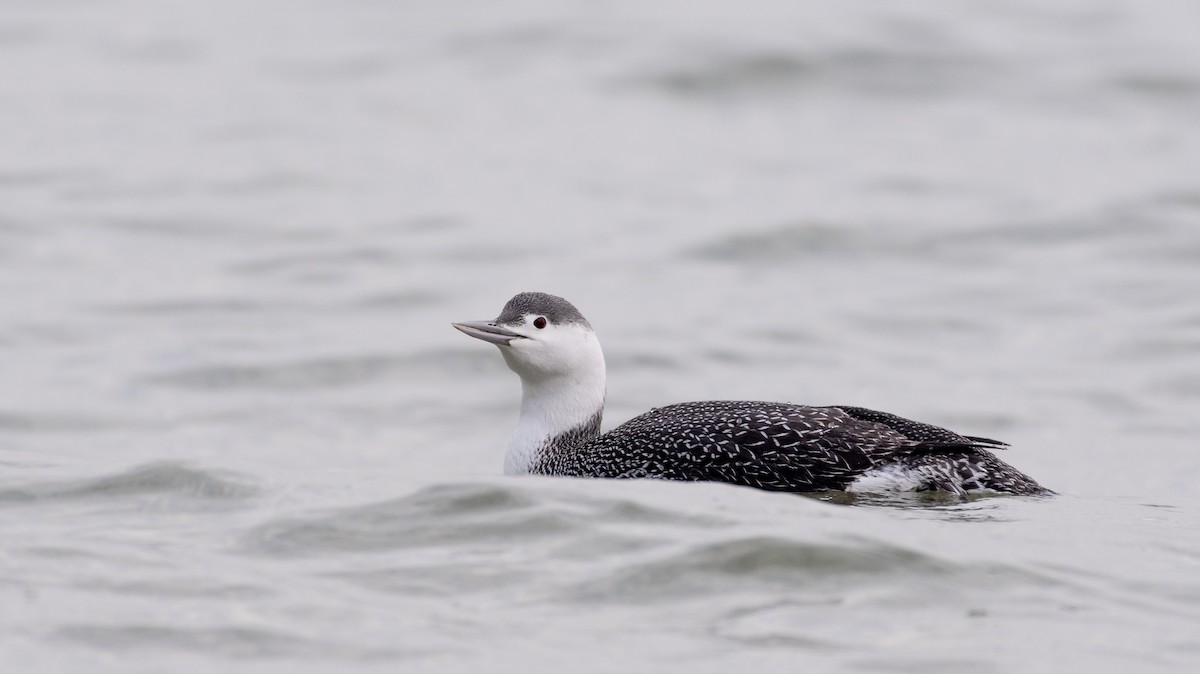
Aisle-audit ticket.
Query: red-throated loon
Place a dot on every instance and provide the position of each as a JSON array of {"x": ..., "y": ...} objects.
[{"x": 774, "y": 446}]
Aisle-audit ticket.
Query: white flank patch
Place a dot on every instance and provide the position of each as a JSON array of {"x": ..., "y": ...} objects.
[{"x": 888, "y": 479}]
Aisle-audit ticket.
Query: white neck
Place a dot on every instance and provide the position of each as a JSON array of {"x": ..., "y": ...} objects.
[{"x": 551, "y": 406}]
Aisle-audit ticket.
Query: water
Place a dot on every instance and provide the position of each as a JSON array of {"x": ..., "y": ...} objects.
[{"x": 238, "y": 433}]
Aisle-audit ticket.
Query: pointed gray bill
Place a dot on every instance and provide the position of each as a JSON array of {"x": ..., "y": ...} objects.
[{"x": 487, "y": 331}]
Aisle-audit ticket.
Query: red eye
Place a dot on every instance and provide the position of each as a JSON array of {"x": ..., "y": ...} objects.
[{"x": 539, "y": 322}]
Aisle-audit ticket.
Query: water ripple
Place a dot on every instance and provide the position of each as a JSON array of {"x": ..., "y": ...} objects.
[
  {"x": 229, "y": 642},
  {"x": 161, "y": 478},
  {"x": 870, "y": 71},
  {"x": 740, "y": 564},
  {"x": 318, "y": 373},
  {"x": 306, "y": 374},
  {"x": 442, "y": 515},
  {"x": 26, "y": 422}
]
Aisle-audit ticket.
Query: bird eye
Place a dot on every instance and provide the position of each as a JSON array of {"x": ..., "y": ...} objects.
[{"x": 539, "y": 322}]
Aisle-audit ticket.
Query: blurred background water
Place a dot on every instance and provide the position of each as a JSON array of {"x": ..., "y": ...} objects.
[{"x": 237, "y": 431}]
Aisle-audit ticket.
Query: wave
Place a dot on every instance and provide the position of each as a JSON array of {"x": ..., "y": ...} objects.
[
  {"x": 595, "y": 540},
  {"x": 447, "y": 514},
  {"x": 165, "y": 478},
  {"x": 239, "y": 643}
]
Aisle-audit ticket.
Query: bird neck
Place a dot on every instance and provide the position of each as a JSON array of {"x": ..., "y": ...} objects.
[{"x": 557, "y": 414}]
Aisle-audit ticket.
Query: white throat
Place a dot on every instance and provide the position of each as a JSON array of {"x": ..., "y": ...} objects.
[{"x": 554, "y": 404}]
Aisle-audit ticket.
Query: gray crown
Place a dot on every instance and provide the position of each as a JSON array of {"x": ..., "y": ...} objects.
[{"x": 554, "y": 308}]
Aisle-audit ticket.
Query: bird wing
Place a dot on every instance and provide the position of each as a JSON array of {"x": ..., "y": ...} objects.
[
  {"x": 765, "y": 445},
  {"x": 925, "y": 437}
]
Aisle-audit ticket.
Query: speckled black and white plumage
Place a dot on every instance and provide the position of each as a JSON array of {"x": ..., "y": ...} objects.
[
  {"x": 773, "y": 446},
  {"x": 781, "y": 447}
]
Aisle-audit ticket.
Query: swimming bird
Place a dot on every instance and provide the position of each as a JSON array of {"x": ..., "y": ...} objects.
[{"x": 768, "y": 445}]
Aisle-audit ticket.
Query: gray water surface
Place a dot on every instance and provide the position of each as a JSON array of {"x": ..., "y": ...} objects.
[{"x": 237, "y": 432}]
